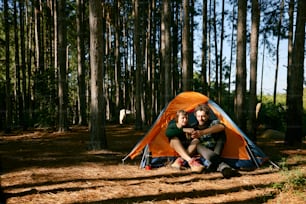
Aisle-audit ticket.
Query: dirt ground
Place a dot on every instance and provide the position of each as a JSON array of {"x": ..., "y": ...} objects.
[{"x": 47, "y": 167}]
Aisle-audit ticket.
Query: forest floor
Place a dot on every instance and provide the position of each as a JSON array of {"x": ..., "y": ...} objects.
[{"x": 42, "y": 166}]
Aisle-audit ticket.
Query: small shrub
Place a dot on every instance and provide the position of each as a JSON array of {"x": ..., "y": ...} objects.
[
  {"x": 272, "y": 116},
  {"x": 295, "y": 180}
]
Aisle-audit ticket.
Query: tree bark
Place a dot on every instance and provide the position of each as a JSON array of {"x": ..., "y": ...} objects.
[
  {"x": 62, "y": 57},
  {"x": 137, "y": 35},
  {"x": 231, "y": 57},
  {"x": 220, "y": 90},
  {"x": 24, "y": 104},
  {"x": 204, "y": 49},
  {"x": 209, "y": 53},
  {"x": 97, "y": 102},
  {"x": 241, "y": 65},
  {"x": 8, "y": 108},
  {"x": 294, "y": 132},
  {"x": 80, "y": 22},
  {"x": 253, "y": 69},
  {"x": 166, "y": 50},
  {"x": 175, "y": 35},
  {"x": 117, "y": 59},
  {"x": 277, "y": 49},
  {"x": 17, "y": 86},
  {"x": 216, "y": 52},
  {"x": 186, "y": 69}
]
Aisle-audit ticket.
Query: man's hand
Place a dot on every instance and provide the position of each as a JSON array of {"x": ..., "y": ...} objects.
[{"x": 195, "y": 134}]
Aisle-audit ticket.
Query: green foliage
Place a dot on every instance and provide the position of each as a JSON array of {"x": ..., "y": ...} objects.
[
  {"x": 272, "y": 116},
  {"x": 294, "y": 180},
  {"x": 281, "y": 102}
]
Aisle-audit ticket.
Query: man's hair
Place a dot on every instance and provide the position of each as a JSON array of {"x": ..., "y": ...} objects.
[
  {"x": 202, "y": 107},
  {"x": 180, "y": 112}
]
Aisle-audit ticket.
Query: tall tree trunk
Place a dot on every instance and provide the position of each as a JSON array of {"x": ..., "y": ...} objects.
[
  {"x": 55, "y": 48},
  {"x": 209, "y": 52},
  {"x": 17, "y": 86},
  {"x": 149, "y": 64},
  {"x": 166, "y": 49},
  {"x": 262, "y": 66},
  {"x": 8, "y": 108},
  {"x": 40, "y": 84},
  {"x": 137, "y": 34},
  {"x": 290, "y": 43},
  {"x": 220, "y": 90},
  {"x": 216, "y": 52},
  {"x": 191, "y": 27},
  {"x": 241, "y": 65},
  {"x": 81, "y": 63},
  {"x": 294, "y": 133},
  {"x": 231, "y": 57},
  {"x": 186, "y": 70},
  {"x": 108, "y": 69},
  {"x": 175, "y": 35},
  {"x": 97, "y": 102},
  {"x": 204, "y": 49},
  {"x": 49, "y": 32},
  {"x": 253, "y": 69},
  {"x": 125, "y": 62},
  {"x": 277, "y": 49},
  {"x": 143, "y": 30},
  {"x": 30, "y": 54},
  {"x": 62, "y": 57},
  {"x": 154, "y": 81},
  {"x": 24, "y": 104},
  {"x": 117, "y": 58}
]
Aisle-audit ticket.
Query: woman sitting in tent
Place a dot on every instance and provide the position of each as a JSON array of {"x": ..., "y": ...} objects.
[
  {"x": 185, "y": 146},
  {"x": 212, "y": 139}
]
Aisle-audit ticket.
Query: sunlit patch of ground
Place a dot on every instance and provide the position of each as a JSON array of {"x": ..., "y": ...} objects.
[{"x": 46, "y": 167}]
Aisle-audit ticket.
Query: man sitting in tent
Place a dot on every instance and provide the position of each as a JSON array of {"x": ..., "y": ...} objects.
[
  {"x": 212, "y": 139},
  {"x": 176, "y": 132}
]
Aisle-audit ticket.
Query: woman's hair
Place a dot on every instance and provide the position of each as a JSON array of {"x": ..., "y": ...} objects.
[
  {"x": 202, "y": 107},
  {"x": 180, "y": 112}
]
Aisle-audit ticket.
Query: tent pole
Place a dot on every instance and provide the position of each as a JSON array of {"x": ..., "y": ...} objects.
[
  {"x": 143, "y": 159},
  {"x": 123, "y": 160},
  {"x": 252, "y": 156},
  {"x": 273, "y": 164}
]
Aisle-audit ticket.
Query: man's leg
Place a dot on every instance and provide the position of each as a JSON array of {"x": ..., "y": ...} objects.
[
  {"x": 221, "y": 139},
  {"x": 223, "y": 167},
  {"x": 212, "y": 159}
]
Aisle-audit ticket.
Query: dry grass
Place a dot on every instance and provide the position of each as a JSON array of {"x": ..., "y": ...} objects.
[{"x": 49, "y": 167}]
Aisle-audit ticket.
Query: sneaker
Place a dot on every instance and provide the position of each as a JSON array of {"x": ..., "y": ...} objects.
[
  {"x": 195, "y": 166},
  {"x": 228, "y": 172},
  {"x": 178, "y": 163}
]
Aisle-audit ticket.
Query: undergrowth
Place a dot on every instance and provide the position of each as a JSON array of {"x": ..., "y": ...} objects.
[{"x": 294, "y": 180}]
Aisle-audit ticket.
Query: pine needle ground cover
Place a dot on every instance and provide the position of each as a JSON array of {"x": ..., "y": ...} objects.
[{"x": 42, "y": 166}]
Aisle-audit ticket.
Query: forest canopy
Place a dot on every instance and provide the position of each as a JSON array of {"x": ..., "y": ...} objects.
[{"x": 80, "y": 62}]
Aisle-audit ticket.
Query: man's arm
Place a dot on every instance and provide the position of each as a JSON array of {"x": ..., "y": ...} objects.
[{"x": 213, "y": 129}]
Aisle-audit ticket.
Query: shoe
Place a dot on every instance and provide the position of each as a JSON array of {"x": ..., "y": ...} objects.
[
  {"x": 178, "y": 163},
  {"x": 228, "y": 172},
  {"x": 195, "y": 166}
]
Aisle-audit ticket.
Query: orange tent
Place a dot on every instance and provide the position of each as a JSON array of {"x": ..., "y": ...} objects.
[{"x": 238, "y": 150}]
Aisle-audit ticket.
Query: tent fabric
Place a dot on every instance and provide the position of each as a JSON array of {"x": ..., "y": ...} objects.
[{"x": 239, "y": 150}]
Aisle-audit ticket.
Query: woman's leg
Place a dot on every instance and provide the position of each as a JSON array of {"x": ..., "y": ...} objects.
[
  {"x": 193, "y": 146},
  {"x": 176, "y": 144}
]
